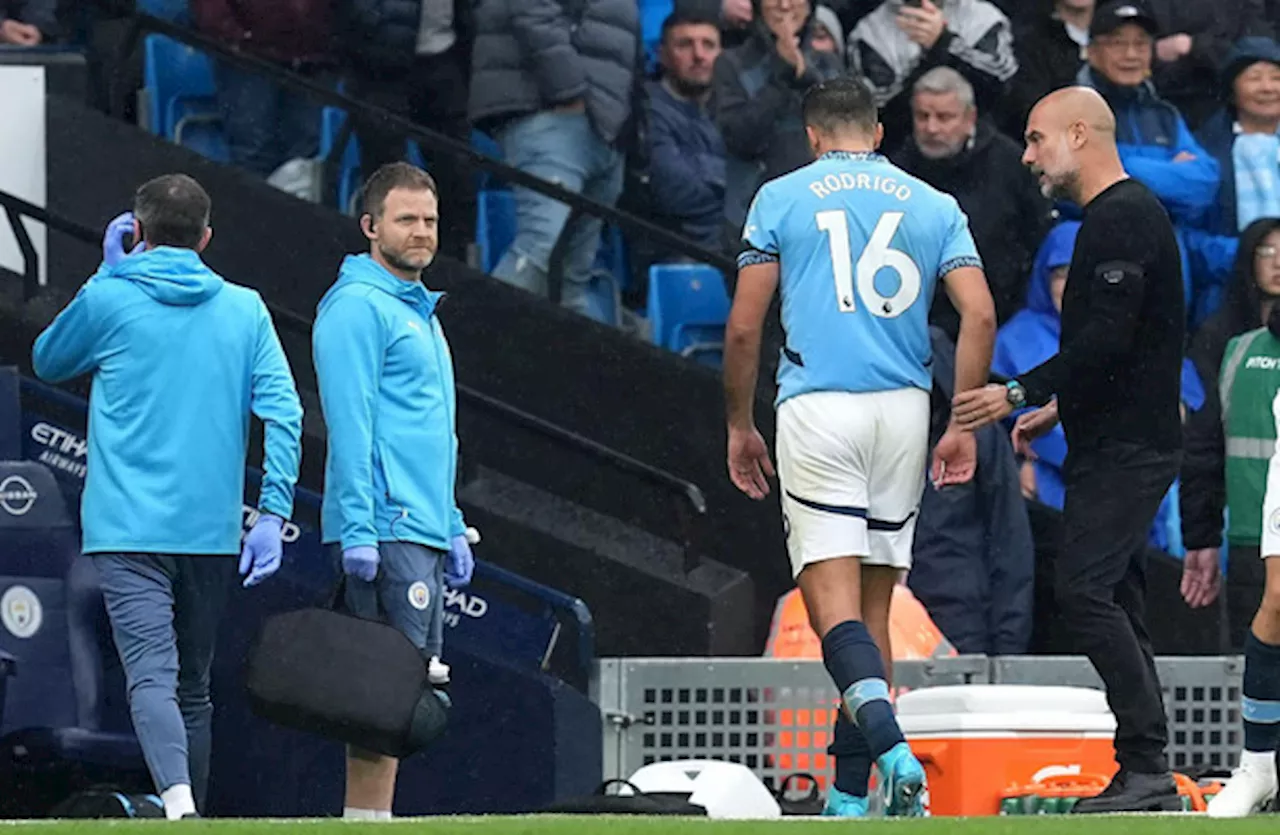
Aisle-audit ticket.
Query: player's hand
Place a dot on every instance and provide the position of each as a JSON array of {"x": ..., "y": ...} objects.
[
  {"x": 1031, "y": 426},
  {"x": 113, "y": 239},
  {"x": 749, "y": 465},
  {"x": 923, "y": 24},
  {"x": 975, "y": 408},
  {"x": 263, "y": 549},
  {"x": 955, "y": 458},
  {"x": 460, "y": 563},
  {"x": 1201, "y": 578},
  {"x": 361, "y": 562}
]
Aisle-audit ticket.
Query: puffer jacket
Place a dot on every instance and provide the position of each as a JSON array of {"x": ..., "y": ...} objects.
[
  {"x": 383, "y": 34},
  {"x": 531, "y": 55}
]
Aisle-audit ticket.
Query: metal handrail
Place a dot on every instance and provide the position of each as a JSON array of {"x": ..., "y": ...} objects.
[{"x": 434, "y": 139}]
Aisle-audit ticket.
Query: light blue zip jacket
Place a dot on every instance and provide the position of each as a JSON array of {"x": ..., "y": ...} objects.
[
  {"x": 179, "y": 358},
  {"x": 387, "y": 390}
]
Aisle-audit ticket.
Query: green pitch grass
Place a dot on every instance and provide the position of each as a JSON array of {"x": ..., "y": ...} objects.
[{"x": 1175, "y": 824}]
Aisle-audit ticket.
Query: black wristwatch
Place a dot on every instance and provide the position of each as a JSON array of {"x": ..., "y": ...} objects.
[{"x": 1015, "y": 394}]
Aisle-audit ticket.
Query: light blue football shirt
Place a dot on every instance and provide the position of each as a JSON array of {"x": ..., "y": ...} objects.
[{"x": 861, "y": 245}]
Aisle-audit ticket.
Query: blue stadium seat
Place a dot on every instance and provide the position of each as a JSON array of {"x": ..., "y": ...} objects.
[
  {"x": 495, "y": 225},
  {"x": 487, "y": 145},
  {"x": 51, "y": 608},
  {"x": 496, "y": 228},
  {"x": 350, "y": 172},
  {"x": 612, "y": 256},
  {"x": 38, "y": 545},
  {"x": 174, "y": 11},
  {"x": 652, "y": 13},
  {"x": 331, "y": 121},
  {"x": 688, "y": 307},
  {"x": 179, "y": 86},
  {"x": 206, "y": 138}
]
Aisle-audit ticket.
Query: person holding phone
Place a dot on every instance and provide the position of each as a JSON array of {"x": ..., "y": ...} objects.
[
  {"x": 179, "y": 360},
  {"x": 903, "y": 39}
]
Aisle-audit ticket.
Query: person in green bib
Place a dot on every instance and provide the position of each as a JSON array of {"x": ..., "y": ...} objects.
[
  {"x": 1221, "y": 466},
  {"x": 1247, "y": 480}
]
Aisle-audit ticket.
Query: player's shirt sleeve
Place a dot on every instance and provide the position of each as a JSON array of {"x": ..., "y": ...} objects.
[
  {"x": 1271, "y": 502},
  {"x": 958, "y": 248},
  {"x": 759, "y": 233}
]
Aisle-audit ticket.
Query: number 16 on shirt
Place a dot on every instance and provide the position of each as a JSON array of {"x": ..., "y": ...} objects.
[{"x": 876, "y": 255}]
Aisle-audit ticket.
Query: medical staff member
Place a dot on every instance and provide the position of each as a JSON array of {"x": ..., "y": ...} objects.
[
  {"x": 180, "y": 359},
  {"x": 387, "y": 391}
]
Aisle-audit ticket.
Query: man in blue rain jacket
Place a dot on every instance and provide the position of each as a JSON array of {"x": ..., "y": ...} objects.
[
  {"x": 179, "y": 360},
  {"x": 387, "y": 391}
]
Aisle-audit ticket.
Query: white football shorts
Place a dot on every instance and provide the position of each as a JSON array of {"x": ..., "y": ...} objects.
[{"x": 851, "y": 467}]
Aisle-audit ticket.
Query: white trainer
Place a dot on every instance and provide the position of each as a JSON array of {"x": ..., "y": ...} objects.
[{"x": 1251, "y": 788}]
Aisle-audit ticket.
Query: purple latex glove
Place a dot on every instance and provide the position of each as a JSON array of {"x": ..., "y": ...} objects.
[
  {"x": 263, "y": 549},
  {"x": 113, "y": 241},
  {"x": 361, "y": 562},
  {"x": 459, "y": 563}
]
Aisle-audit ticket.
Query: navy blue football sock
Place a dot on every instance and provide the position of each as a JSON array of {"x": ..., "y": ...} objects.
[
  {"x": 1260, "y": 707},
  {"x": 855, "y": 665},
  {"x": 852, "y": 755}
]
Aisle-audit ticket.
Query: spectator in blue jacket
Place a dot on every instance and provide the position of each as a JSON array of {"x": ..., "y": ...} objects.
[
  {"x": 179, "y": 360},
  {"x": 1031, "y": 337},
  {"x": 1155, "y": 145},
  {"x": 387, "y": 390},
  {"x": 686, "y": 152},
  {"x": 1244, "y": 136}
]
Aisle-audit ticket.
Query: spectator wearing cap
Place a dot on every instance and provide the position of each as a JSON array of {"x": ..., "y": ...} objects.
[
  {"x": 1051, "y": 48},
  {"x": 27, "y": 22},
  {"x": 955, "y": 151},
  {"x": 1243, "y": 135},
  {"x": 1155, "y": 144},
  {"x": 897, "y": 44},
  {"x": 1194, "y": 39}
]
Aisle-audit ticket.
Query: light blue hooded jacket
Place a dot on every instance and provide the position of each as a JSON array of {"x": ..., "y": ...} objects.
[
  {"x": 179, "y": 358},
  {"x": 387, "y": 390}
]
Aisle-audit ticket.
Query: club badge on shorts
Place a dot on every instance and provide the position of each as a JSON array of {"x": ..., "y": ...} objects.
[
  {"x": 1274, "y": 521},
  {"x": 419, "y": 596}
]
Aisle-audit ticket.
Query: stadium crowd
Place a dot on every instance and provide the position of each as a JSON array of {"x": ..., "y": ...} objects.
[{"x": 682, "y": 125}]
